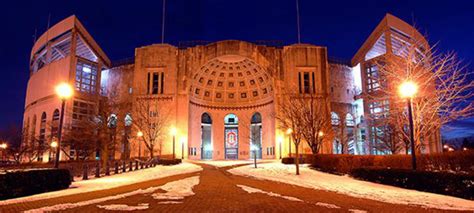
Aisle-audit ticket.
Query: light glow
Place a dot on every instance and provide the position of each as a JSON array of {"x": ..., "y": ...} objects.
[
  {"x": 173, "y": 131},
  {"x": 289, "y": 131},
  {"x": 54, "y": 144},
  {"x": 64, "y": 91},
  {"x": 408, "y": 89},
  {"x": 3, "y": 145},
  {"x": 139, "y": 134},
  {"x": 320, "y": 133}
]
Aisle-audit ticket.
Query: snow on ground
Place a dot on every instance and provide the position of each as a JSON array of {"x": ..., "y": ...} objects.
[
  {"x": 254, "y": 190},
  {"x": 112, "y": 182},
  {"x": 123, "y": 207},
  {"x": 310, "y": 178},
  {"x": 177, "y": 190},
  {"x": 225, "y": 163}
]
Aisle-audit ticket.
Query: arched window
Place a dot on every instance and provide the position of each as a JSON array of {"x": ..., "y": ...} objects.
[
  {"x": 56, "y": 115},
  {"x": 206, "y": 119},
  {"x": 206, "y": 138},
  {"x": 335, "y": 119},
  {"x": 256, "y": 136},
  {"x": 231, "y": 135},
  {"x": 55, "y": 124},
  {"x": 349, "y": 120},
  {"x": 231, "y": 119},
  {"x": 42, "y": 136}
]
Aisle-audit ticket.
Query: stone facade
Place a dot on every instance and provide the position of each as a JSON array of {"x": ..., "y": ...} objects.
[{"x": 221, "y": 98}]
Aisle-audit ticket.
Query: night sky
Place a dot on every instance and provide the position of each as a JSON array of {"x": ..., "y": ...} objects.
[{"x": 119, "y": 27}]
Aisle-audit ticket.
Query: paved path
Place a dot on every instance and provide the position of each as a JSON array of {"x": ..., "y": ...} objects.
[{"x": 217, "y": 191}]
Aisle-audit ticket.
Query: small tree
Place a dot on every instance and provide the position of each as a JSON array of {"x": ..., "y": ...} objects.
[
  {"x": 307, "y": 115},
  {"x": 151, "y": 119}
]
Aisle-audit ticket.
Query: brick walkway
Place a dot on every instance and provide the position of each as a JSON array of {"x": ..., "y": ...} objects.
[{"x": 217, "y": 192}]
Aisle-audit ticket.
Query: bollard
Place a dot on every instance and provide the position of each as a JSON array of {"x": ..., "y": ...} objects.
[
  {"x": 97, "y": 170},
  {"x": 136, "y": 165},
  {"x": 85, "y": 174},
  {"x": 131, "y": 166},
  {"x": 107, "y": 168},
  {"x": 116, "y": 168},
  {"x": 124, "y": 167},
  {"x": 71, "y": 170}
]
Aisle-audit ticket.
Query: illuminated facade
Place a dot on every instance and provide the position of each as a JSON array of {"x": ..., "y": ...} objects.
[{"x": 221, "y": 97}]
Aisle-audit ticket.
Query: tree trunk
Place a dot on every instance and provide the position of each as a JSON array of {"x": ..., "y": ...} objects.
[
  {"x": 151, "y": 151},
  {"x": 297, "y": 160}
]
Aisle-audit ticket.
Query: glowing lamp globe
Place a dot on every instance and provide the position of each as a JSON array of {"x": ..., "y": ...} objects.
[
  {"x": 3, "y": 145},
  {"x": 320, "y": 133},
  {"x": 54, "y": 144},
  {"x": 408, "y": 89},
  {"x": 64, "y": 91},
  {"x": 173, "y": 131},
  {"x": 139, "y": 134},
  {"x": 289, "y": 131}
]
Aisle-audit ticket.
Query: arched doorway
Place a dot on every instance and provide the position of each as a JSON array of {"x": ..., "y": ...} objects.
[
  {"x": 231, "y": 136},
  {"x": 256, "y": 136},
  {"x": 206, "y": 135}
]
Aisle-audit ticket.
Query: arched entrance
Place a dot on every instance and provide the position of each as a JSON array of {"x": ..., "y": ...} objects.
[
  {"x": 231, "y": 136},
  {"x": 256, "y": 136},
  {"x": 206, "y": 135}
]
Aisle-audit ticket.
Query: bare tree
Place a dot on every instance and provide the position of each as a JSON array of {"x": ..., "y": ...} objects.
[
  {"x": 445, "y": 89},
  {"x": 151, "y": 118},
  {"x": 307, "y": 115}
]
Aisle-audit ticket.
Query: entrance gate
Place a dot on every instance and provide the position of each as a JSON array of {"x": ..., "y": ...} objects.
[{"x": 231, "y": 136}]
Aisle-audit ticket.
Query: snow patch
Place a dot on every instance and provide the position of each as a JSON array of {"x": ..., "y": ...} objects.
[
  {"x": 254, "y": 190},
  {"x": 177, "y": 190},
  {"x": 123, "y": 207},
  {"x": 112, "y": 182},
  {"x": 313, "y": 179},
  {"x": 327, "y": 205},
  {"x": 65, "y": 206},
  {"x": 170, "y": 202},
  {"x": 357, "y": 211}
]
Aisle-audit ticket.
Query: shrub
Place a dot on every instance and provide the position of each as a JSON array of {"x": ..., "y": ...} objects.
[
  {"x": 17, "y": 183},
  {"x": 454, "y": 184},
  {"x": 288, "y": 160},
  {"x": 343, "y": 164},
  {"x": 168, "y": 162}
]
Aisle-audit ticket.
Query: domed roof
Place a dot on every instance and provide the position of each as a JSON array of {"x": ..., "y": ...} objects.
[{"x": 231, "y": 79}]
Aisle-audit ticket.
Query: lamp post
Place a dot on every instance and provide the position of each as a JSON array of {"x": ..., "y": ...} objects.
[
  {"x": 280, "y": 140},
  {"x": 173, "y": 133},
  {"x": 54, "y": 145},
  {"x": 288, "y": 132},
  {"x": 64, "y": 92},
  {"x": 182, "y": 148},
  {"x": 4, "y": 147},
  {"x": 408, "y": 90},
  {"x": 139, "y": 136}
]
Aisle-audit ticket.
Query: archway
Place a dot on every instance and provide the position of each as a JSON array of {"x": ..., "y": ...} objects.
[
  {"x": 206, "y": 135},
  {"x": 256, "y": 136},
  {"x": 231, "y": 136}
]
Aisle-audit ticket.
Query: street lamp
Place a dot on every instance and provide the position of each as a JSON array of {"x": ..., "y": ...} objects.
[
  {"x": 321, "y": 133},
  {"x": 139, "y": 136},
  {"x": 64, "y": 91},
  {"x": 408, "y": 90},
  {"x": 53, "y": 145},
  {"x": 173, "y": 132},
  {"x": 288, "y": 132},
  {"x": 4, "y": 147},
  {"x": 182, "y": 147},
  {"x": 280, "y": 141}
]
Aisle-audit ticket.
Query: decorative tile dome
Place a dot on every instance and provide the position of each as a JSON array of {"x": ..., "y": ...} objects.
[{"x": 231, "y": 79}]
